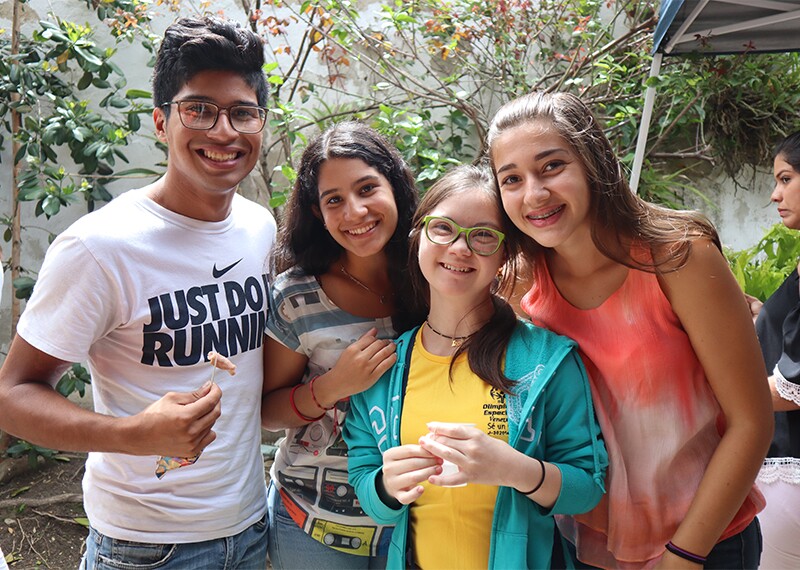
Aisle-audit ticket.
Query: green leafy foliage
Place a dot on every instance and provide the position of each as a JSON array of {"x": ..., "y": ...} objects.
[
  {"x": 762, "y": 268},
  {"x": 74, "y": 380},
  {"x": 56, "y": 119},
  {"x": 431, "y": 74},
  {"x": 33, "y": 452}
]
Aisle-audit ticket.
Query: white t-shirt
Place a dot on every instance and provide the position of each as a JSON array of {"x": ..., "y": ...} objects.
[{"x": 143, "y": 294}]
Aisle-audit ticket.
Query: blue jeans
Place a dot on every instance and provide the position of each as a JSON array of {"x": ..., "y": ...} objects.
[
  {"x": 740, "y": 552},
  {"x": 244, "y": 551},
  {"x": 290, "y": 547}
]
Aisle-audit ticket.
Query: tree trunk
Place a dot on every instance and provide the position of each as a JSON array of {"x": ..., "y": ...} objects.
[{"x": 15, "y": 216}]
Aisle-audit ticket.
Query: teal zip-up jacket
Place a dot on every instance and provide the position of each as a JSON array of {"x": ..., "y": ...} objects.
[{"x": 550, "y": 416}]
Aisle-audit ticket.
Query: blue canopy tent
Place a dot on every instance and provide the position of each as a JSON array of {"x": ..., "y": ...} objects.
[{"x": 716, "y": 27}]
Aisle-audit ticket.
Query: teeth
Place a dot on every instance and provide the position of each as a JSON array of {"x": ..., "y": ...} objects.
[
  {"x": 359, "y": 231},
  {"x": 547, "y": 215},
  {"x": 219, "y": 156},
  {"x": 459, "y": 269}
]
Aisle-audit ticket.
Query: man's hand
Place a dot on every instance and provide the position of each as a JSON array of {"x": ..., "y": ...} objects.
[{"x": 179, "y": 424}]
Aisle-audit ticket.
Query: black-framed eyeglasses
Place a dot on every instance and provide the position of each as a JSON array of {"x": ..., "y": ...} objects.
[
  {"x": 202, "y": 116},
  {"x": 480, "y": 239}
]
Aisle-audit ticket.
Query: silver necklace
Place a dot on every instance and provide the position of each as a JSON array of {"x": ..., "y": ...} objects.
[
  {"x": 381, "y": 298},
  {"x": 454, "y": 340}
]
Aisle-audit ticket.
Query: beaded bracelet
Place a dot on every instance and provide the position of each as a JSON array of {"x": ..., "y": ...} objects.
[
  {"x": 300, "y": 414},
  {"x": 541, "y": 481},
  {"x": 314, "y": 397},
  {"x": 685, "y": 554}
]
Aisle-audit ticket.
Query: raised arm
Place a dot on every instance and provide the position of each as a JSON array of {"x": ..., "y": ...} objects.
[
  {"x": 179, "y": 424},
  {"x": 287, "y": 403},
  {"x": 711, "y": 308}
]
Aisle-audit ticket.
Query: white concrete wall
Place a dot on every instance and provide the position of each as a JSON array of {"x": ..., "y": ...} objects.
[{"x": 743, "y": 213}]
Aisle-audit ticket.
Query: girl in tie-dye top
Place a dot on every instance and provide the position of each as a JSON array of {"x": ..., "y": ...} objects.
[{"x": 675, "y": 368}]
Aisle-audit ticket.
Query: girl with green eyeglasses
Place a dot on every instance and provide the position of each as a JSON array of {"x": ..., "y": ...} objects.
[{"x": 484, "y": 428}]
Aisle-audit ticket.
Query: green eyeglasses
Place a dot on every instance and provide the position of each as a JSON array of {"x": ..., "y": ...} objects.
[
  {"x": 202, "y": 116},
  {"x": 444, "y": 231}
]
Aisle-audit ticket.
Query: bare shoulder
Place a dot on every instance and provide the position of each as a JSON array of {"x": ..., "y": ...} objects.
[
  {"x": 703, "y": 292},
  {"x": 705, "y": 265}
]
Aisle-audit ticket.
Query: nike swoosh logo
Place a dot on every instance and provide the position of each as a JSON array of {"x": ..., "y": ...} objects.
[{"x": 217, "y": 273}]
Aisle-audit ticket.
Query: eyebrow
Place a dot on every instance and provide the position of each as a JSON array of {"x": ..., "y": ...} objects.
[
  {"x": 205, "y": 99},
  {"x": 781, "y": 172},
  {"x": 538, "y": 156},
  {"x": 355, "y": 183},
  {"x": 481, "y": 224}
]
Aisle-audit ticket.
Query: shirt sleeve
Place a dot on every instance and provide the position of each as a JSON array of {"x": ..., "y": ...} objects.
[
  {"x": 75, "y": 302},
  {"x": 789, "y": 361},
  {"x": 787, "y": 370},
  {"x": 281, "y": 318},
  {"x": 365, "y": 461},
  {"x": 573, "y": 441}
]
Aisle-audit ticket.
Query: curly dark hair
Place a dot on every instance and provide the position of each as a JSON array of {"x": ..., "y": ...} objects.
[
  {"x": 192, "y": 45},
  {"x": 306, "y": 245}
]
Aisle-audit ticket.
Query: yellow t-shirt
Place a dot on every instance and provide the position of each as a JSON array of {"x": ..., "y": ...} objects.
[{"x": 450, "y": 527}]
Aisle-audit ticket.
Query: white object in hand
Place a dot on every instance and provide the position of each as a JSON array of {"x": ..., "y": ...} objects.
[{"x": 448, "y": 467}]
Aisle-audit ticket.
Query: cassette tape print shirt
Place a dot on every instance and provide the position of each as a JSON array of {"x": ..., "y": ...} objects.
[{"x": 310, "y": 468}]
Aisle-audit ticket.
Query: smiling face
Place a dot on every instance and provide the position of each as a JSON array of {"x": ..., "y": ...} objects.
[
  {"x": 205, "y": 166},
  {"x": 357, "y": 205},
  {"x": 454, "y": 270},
  {"x": 787, "y": 193},
  {"x": 543, "y": 185}
]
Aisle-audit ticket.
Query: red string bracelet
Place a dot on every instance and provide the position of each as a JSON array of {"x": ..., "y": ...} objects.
[
  {"x": 300, "y": 414},
  {"x": 314, "y": 396}
]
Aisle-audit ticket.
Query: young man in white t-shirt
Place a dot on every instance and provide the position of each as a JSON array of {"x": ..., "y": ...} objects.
[{"x": 142, "y": 290}]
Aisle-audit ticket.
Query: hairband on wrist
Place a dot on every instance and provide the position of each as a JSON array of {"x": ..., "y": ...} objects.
[
  {"x": 685, "y": 554},
  {"x": 541, "y": 481}
]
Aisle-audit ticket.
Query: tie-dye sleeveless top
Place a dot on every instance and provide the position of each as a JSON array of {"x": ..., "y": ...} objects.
[{"x": 660, "y": 419}]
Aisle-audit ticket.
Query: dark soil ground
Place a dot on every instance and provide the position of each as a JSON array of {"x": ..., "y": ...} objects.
[
  {"x": 42, "y": 522},
  {"x": 45, "y": 535}
]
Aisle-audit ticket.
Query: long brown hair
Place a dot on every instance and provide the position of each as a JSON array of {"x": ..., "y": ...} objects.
[
  {"x": 486, "y": 347},
  {"x": 619, "y": 218}
]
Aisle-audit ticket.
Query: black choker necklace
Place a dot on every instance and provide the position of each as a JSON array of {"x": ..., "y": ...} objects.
[{"x": 454, "y": 340}]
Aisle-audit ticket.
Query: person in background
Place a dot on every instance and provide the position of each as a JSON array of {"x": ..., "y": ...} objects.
[
  {"x": 143, "y": 289},
  {"x": 778, "y": 328},
  {"x": 665, "y": 335},
  {"x": 530, "y": 446},
  {"x": 340, "y": 297}
]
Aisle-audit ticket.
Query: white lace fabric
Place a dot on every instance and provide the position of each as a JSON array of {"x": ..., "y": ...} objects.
[
  {"x": 786, "y": 389},
  {"x": 786, "y": 469}
]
